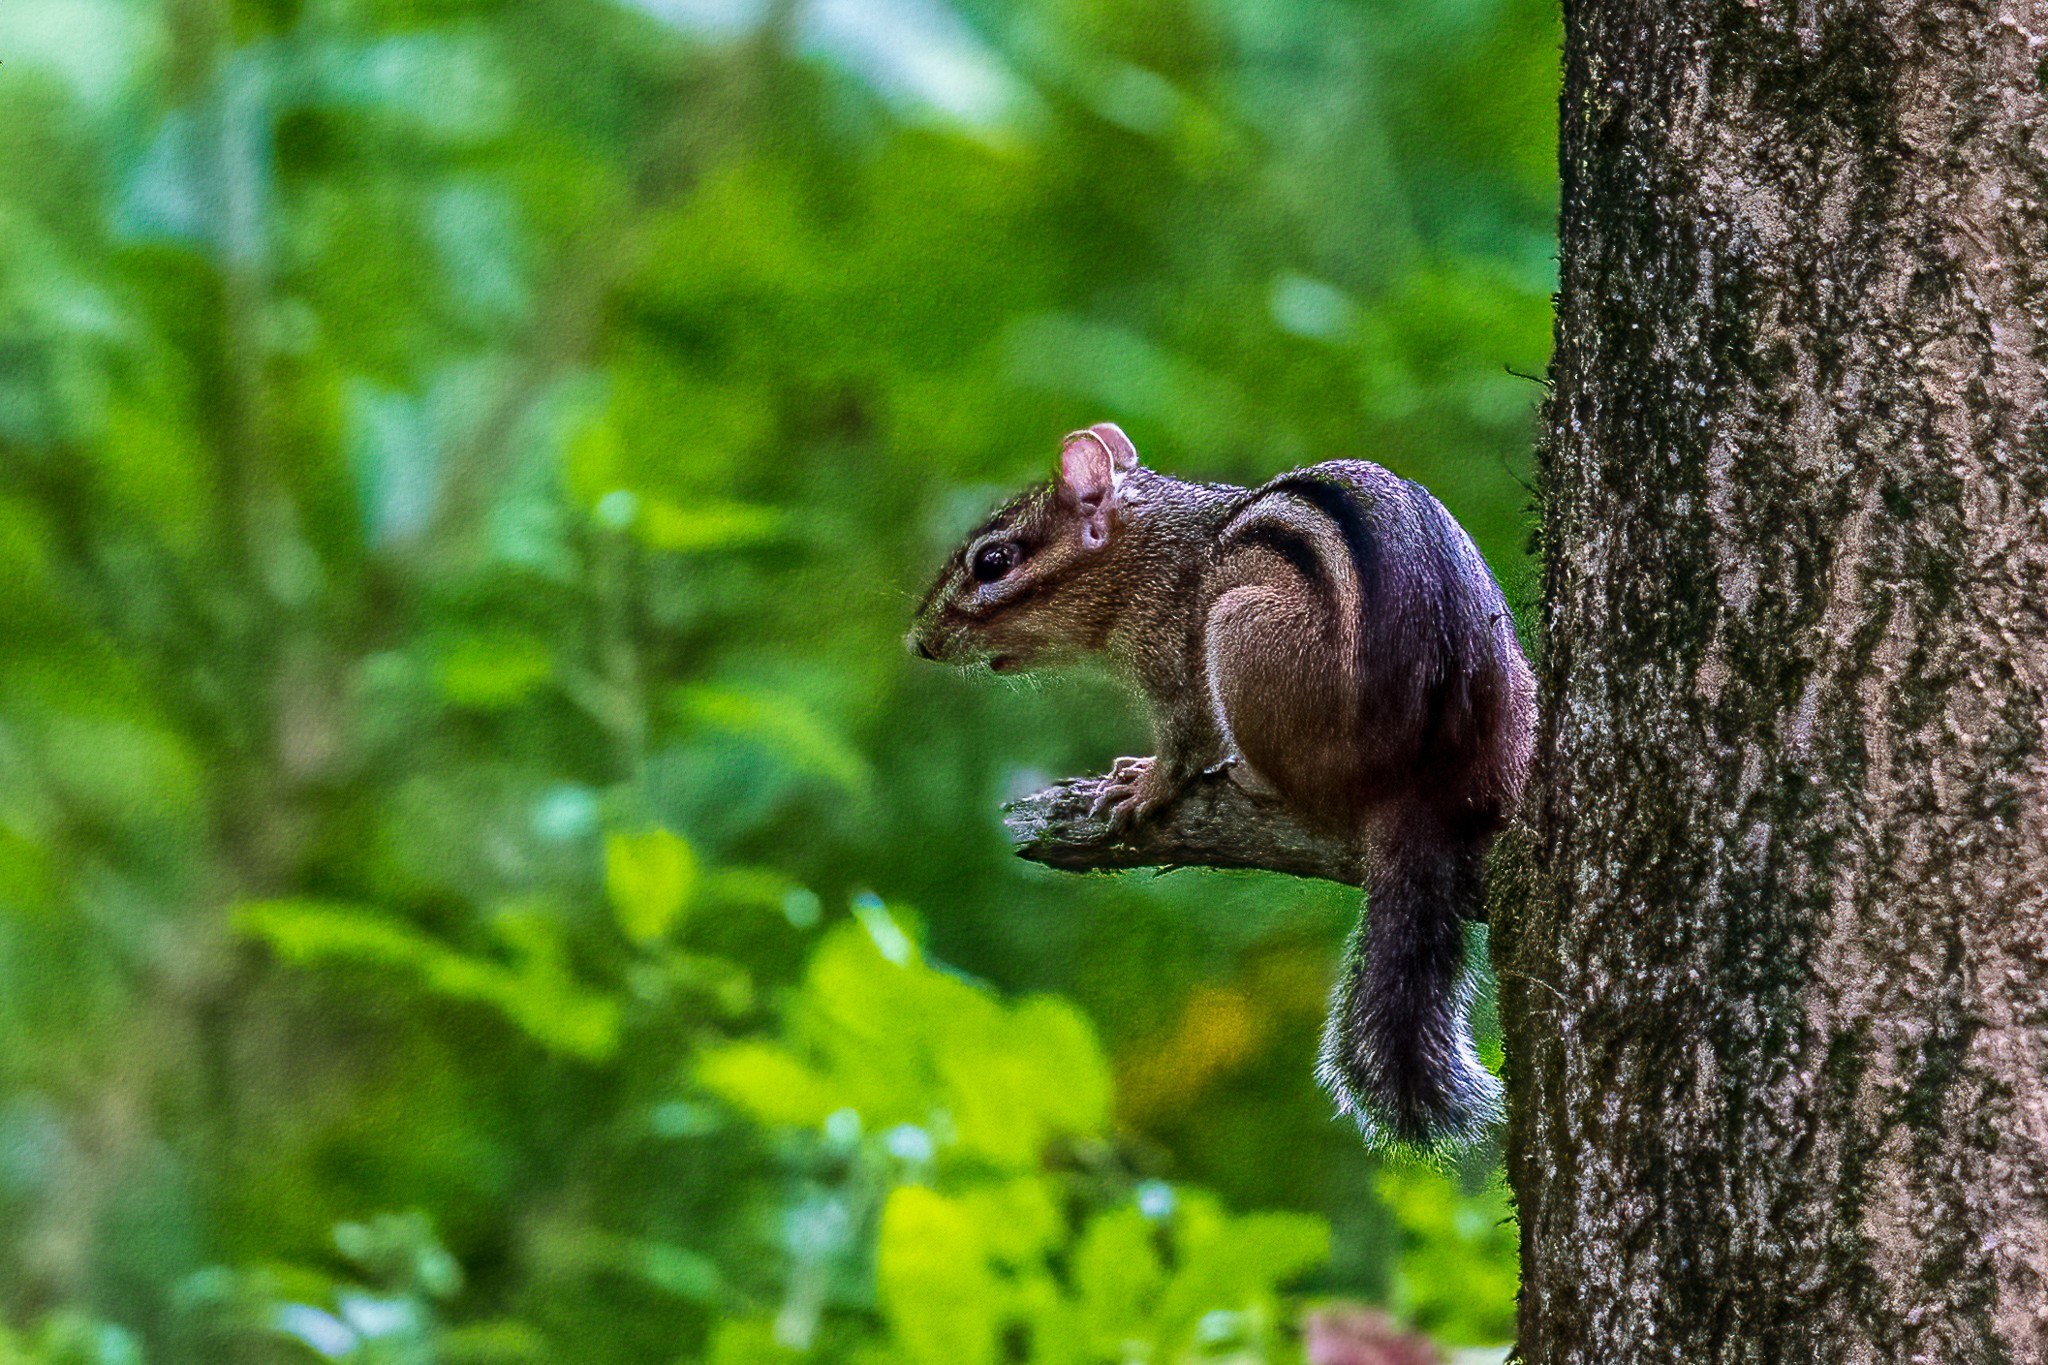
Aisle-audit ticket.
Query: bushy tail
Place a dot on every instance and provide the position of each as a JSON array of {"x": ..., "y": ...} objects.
[{"x": 1397, "y": 1050}]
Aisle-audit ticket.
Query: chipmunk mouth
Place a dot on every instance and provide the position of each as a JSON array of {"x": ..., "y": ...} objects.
[
  {"x": 937, "y": 648},
  {"x": 1003, "y": 663}
]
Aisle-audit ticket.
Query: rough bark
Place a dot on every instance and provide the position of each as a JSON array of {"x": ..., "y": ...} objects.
[
  {"x": 1778, "y": 1012},
  {"x": 1212, "y": 823},
  {"x": 1216, "y": 823}
]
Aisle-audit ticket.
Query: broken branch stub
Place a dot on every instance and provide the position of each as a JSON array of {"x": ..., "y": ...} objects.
[{"x": 1213, "y": 822}]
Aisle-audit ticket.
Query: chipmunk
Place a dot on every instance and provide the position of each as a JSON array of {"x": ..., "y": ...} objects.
[{"x": 1331, "y": 638}]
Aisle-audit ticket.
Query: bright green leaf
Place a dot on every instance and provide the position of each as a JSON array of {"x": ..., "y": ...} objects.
[
  {"x": 651, "y": 877},
  {"x": 538, "y": 995},
  {"x": 1457, "y": 1272},
  {"x": 933, "y": 1279},
  {"x": 700, "y": 526},
  {"x": 493, "y": 671},
  {"x": 785, "y": 725},
  {"x": 763, "y": 1080},
  {"x": 1118, "y": 1277}
]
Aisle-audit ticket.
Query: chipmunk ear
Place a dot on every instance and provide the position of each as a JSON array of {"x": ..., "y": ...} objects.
[
  {"x": 1090, "y": 462},
  {"x": 1122, "y": 454}
]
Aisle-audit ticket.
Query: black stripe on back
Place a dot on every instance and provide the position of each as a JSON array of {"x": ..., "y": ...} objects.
[
  {"x": 1290, "y": 544},
  {"x": 1462, "y": 630},
  {"x": 1340, "y": 505}
]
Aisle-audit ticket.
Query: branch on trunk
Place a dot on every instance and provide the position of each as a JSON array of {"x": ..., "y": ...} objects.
[{"x": 1214, "y": 822}]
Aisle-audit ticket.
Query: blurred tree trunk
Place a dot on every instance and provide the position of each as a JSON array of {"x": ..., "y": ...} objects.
[{"x": 1778, "y": 1010}]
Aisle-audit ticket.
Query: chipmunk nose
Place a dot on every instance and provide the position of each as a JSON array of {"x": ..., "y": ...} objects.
[{"x": 915, "y": 643}]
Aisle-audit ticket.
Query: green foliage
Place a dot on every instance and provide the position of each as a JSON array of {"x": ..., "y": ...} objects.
[
  {"x": 982, "y": 1252},
  {"x": 535, "y": 991},
  {"x": 651, "y": 878},
  {"x": 1456, "y": 1274},
  {"x": 972, "y": 1280},
  {"x": 465, "y": 469},
  {"x": 878, "y": 1034},
  {"x": 69, "y": 1339}
]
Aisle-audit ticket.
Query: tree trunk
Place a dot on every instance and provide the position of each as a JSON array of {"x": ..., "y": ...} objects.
[{"x": 1778, "y": 1012}]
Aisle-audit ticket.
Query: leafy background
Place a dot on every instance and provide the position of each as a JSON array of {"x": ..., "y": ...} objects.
[{"x": 479, "y": 878}]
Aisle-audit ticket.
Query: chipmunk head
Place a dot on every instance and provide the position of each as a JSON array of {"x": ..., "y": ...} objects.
[{"x": 1030, "y": 584}]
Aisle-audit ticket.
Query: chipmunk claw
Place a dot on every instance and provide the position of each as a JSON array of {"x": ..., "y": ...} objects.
[{"x": 1130, "y": 792}]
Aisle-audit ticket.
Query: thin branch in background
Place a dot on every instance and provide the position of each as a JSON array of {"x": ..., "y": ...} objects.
[{"x": 723, "y": 118}]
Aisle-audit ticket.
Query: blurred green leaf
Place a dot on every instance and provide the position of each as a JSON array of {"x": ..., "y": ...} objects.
[
  {"x": 701, "y": 526},
  {"x": 675, "y": 1270},
  {"x": 905, "y": 1043},
  {"x": 70, "y": 1338},
  {"x": 1235, "y": 1261},
  {"x": 493, "y": 671},
  {"x": 1457, "y": 1272},
  {"x": 749, "y": 1341},
  {"x": 934, "y": 1281},
  {"x": 1118, "y": 1278},
  {"x": 651, "y": 877},
  {"x": 401, "y": 1248},
  {"x": 537, "y": 995},
  {"x": 785, "y": 725},
  {"x": 764, "y": 1081}
]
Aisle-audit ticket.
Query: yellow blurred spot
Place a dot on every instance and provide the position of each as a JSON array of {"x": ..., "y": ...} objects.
[{"x": 1218, "y": 1030}]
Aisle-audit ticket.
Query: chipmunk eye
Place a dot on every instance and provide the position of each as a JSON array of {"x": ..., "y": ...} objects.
[{"x": 993, "y": 561}]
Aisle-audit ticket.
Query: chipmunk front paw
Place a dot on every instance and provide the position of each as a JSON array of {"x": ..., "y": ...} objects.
[{"x": 1133, "y": 789}]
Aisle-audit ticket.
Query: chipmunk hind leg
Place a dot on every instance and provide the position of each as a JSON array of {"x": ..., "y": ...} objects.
[{"x": 1281, "y": 697}]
